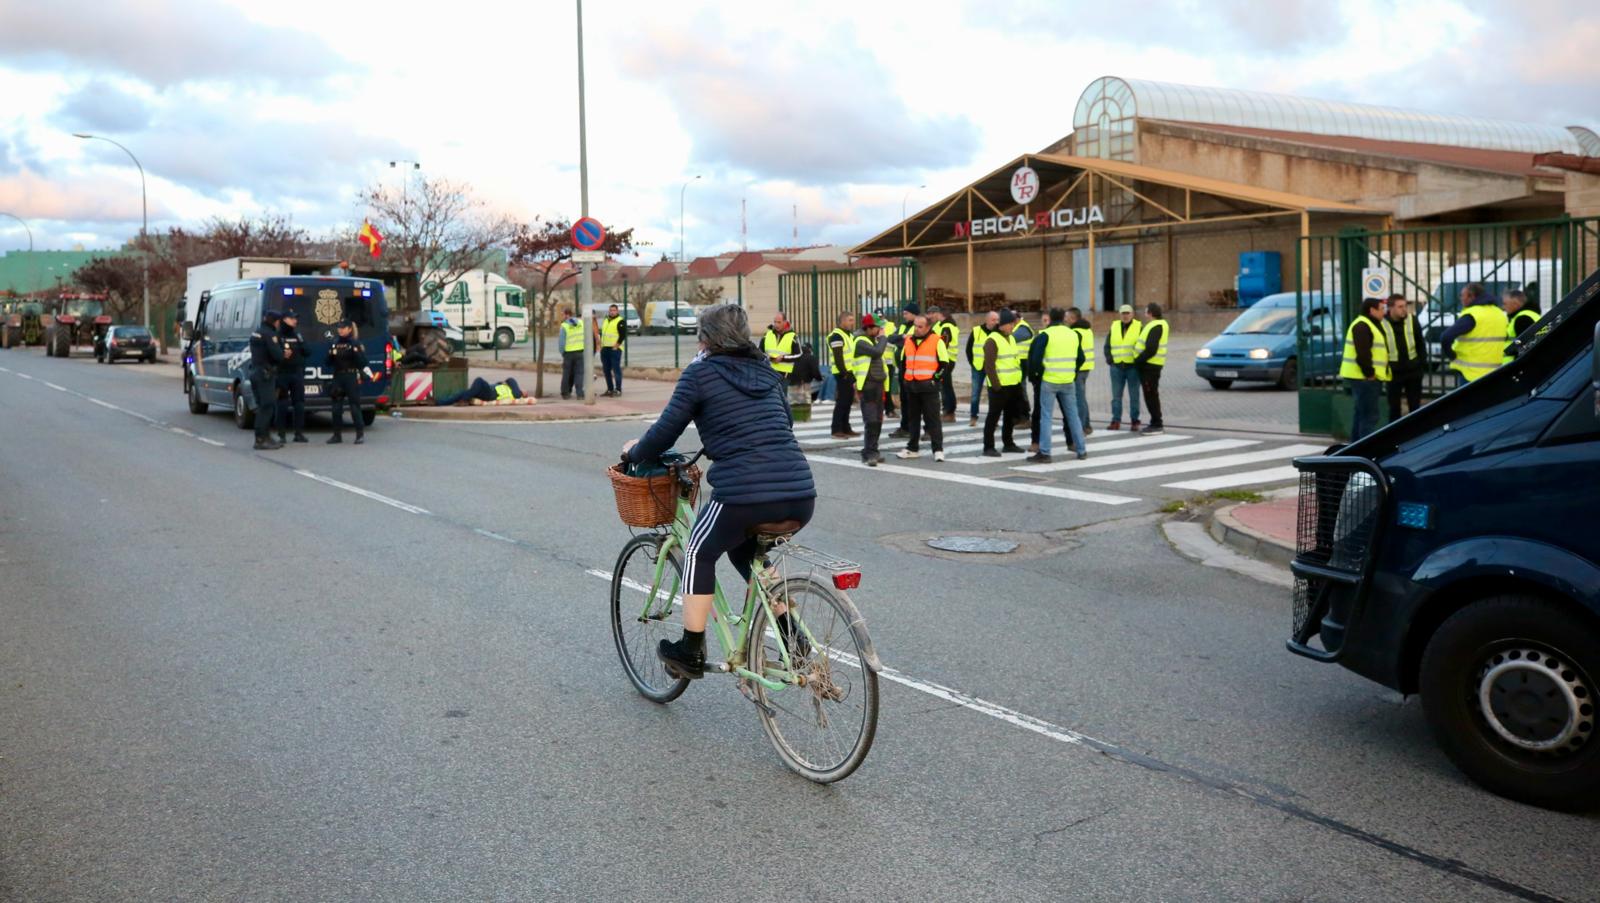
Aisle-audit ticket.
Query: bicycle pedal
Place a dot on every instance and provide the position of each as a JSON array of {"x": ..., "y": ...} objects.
[{"x": 717, "y": 668}]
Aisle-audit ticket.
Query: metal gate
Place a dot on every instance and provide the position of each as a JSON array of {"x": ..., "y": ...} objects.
[
  {"x": 814, "y": 300},
  {"x": 1430, "y": 266}
]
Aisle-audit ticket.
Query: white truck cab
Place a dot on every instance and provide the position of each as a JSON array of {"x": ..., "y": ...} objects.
[{"x": 490, "y": 311}]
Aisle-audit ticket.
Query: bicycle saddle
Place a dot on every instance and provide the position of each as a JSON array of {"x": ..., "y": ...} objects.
[{"x": 776, "y": 528}]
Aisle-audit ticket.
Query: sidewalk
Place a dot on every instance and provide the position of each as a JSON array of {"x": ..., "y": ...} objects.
[
  {"x": 1263, "y": 530},
  {"x": 643, "y": 396}
]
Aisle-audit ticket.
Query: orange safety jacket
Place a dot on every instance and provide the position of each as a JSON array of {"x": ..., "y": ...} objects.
[{"x": 921, "y": 359}]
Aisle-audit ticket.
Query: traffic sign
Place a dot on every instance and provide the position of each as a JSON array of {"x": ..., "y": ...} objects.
[
  {"x": 588, "y": 257},
  {"x": 588, "y": 234},
  {"x": 1374, "y": 283}
]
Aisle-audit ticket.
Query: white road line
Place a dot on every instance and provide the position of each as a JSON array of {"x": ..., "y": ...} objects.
[
  {"x": 1269, "y": 475},
  {"x": 4, "y": 370},
  {"x": 1100, "y": 443},
  {"x": 212, "y": 442},
  {"x": 1133, "y": 457},
  {"x": 1282, "y": 452},
  {"x": 979, "y": 459},
  {"x": 365, "y": 493},
  {"x": 182, "y": 432},
  {"x": 829, "y": 440},
  {"x": 104, "y": 404},
  {"x": 54, "y": 386},
  {"x": 24, "y": 376},
  {"x": 493, "y": 535},
  {"x": 965, "y": 480},
  {"x": 1095, "y": 442}
]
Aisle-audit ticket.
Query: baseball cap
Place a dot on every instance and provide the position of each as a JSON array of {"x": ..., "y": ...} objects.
[
  {"x": 1125, "y": 309},
  {"x": 867, "y": 322}
]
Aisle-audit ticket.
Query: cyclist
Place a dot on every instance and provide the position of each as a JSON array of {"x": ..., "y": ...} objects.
[{"x": 759, "y": 475}]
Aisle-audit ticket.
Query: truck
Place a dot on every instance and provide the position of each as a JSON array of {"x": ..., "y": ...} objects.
[
  {"x": 1453, "y": 554},
  {"x": 490, "y": 311}
]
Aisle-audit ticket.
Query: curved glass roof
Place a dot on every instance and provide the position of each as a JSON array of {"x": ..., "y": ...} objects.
[{"x": 1109, "y": 99}]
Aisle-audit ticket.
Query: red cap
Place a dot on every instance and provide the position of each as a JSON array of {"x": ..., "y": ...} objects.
[{"x": 867, "y": 322}]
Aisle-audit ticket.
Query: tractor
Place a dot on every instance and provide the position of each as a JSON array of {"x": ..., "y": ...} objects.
[
  {"x": 79, "y": 319},
  {"x": 23, "y": 324}
]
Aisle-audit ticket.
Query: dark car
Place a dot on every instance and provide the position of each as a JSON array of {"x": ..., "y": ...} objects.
[
  {"x": 125, "y": 341},
  {"x": 1453, "y": 554}
]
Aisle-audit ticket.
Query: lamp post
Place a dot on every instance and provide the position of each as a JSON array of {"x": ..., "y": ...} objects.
[
  {"x": 681, "y": 192},
  {"x": 906, "y": 197},
  {"x": 406, "y": 183},
  {"x": 24, "y": 226},
  {"x": 144, "y": 219},
  {"x": 585, "y": 270}
]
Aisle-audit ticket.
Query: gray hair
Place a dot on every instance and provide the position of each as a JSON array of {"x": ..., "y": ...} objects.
[{"x": 725, "y": 329}]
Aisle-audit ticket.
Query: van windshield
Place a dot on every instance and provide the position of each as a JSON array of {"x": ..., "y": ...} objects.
[
  {"x": 1260, "y": 320},
  {"x": 683, "y": 312}
]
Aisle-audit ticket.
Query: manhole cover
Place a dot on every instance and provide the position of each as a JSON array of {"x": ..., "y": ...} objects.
[{"x": 973, "y": 544}]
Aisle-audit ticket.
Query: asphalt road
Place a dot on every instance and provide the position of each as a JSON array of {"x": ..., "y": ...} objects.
[{"x": 386, "y": 672}]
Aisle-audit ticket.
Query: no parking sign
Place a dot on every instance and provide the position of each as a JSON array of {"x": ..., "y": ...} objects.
[{"x": 1374, "y": 283}]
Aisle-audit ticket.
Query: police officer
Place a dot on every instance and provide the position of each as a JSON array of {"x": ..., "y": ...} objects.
[
  {"x": 348, "y": 360},
  {"x": 291, "y": 377},
  {"x": 266, "y": 355}
]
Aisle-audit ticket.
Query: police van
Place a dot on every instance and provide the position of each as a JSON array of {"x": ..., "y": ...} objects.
[
  {"x": 217, "y": 359},
  {"x": 1454, "y": 554}
]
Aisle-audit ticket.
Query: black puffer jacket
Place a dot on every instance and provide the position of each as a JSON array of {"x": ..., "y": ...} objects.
[{"x": 739, "y": 407}]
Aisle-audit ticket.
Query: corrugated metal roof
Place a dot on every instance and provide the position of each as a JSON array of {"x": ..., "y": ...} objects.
[{"x": 1218, "y": 187}]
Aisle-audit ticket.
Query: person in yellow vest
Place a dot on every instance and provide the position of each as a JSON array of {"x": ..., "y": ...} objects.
[
  {"x": 1410, "y": 356},
  {"x": 976, "y": 343},
  {"x": 841, "y": 366},
  {"x": 1080, "y": 324},
  {"x": 1365, "y": 366},
  {"x": 571, "y": 354},
  {"x": 923, "y": 356},
  {"x": 1002, "y": 373},
  {"x": 872, "y": 376},
  {"x": 1023, "y": 336},
  {"x": 1478, "y": 336},
  {"x": 609, "y": 334},
  {"x": 1057, "y": 356},
  {"x": 1150, "y": 355},
  {"x": 897, "y": 340},
  {"x": 1520, "y": 315},
  {"x": 951, "y": 333},
  {"x": 1120, "y": 341}
]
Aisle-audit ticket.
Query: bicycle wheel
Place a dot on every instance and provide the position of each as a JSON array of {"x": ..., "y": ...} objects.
[
  {"x": 641, "y": 618},
  {"x": 824, "y": 728}
]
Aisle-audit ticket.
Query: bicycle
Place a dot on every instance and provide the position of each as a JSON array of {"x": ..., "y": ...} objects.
[{"x": 818, "y": 702}]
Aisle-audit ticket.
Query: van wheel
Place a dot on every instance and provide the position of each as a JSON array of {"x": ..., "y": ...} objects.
[
  {"x": 196, "y": 406},
  {"x": 243, "y": 417},
  {"x": 503, "y": 338},
  {"x": 1290, "y": 378},
  {"x": 1220, "y": 383},
  {"x": 1509, "y": 688}
]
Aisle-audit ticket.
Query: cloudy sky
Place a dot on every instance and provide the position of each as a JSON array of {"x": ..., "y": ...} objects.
[{"x": 839, "y": 109}]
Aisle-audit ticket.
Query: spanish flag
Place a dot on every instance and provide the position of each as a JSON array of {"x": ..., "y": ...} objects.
[{"x": 370, "y": 237}]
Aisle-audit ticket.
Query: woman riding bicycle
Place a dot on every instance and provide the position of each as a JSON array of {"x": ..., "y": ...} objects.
[{"x": 759, "y": 476}]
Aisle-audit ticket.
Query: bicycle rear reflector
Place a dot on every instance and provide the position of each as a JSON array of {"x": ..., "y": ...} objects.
[{"x": 847, "y": 580}]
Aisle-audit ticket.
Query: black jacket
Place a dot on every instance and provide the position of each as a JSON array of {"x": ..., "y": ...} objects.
[
  {"x": 741, "y": 411},
  {"x": 294, "y": 348},
  {"x": 347, "y": 356},
  {"x": 1150, "y": 347},
  {"x": 266, "y": 350}
]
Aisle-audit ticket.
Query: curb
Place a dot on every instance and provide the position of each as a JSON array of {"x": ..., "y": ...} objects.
[
  {"x": 522, "y": 413},
  {"x": 1226, "y": 529}
]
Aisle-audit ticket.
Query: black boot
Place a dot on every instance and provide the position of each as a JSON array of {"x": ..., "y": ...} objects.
[
  {"x": 360, "y": 439},
  {"x": 335, "y": 439},
  {"x": 298, "y": 437},
  {"x": 265, "y": 444},
  {"x": 793, "y": 639},
  {"x": 687, "y": 657},
  {"x": 283, "y": 438}
]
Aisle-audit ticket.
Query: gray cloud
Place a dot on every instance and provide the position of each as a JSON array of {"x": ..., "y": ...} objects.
[
  {"x": 163, "y": 42},
  {"x": 765, "y": 104},
  {"x": 101, "y": 106}
]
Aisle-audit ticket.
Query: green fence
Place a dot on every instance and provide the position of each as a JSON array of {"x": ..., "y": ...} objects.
[
  {"x": 1429, "y": 266},
  {"x": 814, "y": 300}
]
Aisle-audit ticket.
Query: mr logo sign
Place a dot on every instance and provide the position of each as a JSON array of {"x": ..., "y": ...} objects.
[{"x": 1024, "y": 185}]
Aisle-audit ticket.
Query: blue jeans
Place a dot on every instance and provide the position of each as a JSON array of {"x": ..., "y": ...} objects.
[
  {"x": 611, "y": 366},
  {"x": 1081, "y": 389},
  {"x": 1124, "y": 375},
  {"x": 1364, "y": 414},
  {"x": 1065, "y": 397},
  {"x": 977, "y": 391}
]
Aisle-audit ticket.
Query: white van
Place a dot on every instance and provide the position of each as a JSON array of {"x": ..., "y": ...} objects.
[
  {"x": 490, "y": 311},
  {"x": 669, "y": 316},
  {"x": 1539, "y": 278},
  {"x": 629, "y": 314}
]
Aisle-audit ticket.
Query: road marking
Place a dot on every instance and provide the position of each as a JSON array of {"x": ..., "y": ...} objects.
[
  {"x": 54, "y": 386},
  {"x": 493, "y": 535},
  {"x": 24, "y": 376},
  {"x": 1282, "y": 452},
  {"x": 1151, "y": 455},
  {"x": 1075, "y": 495},
  {"x": 364, "y": 493},
  {"x": 1269, "y": 475},
  {"x": 212, "y": 442},
  {"x": 104, "y": 404}
]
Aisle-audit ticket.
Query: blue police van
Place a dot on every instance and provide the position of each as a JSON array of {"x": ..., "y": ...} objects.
[
  {"x": 217, "y": 359},
  {"x": 1454, "y": 554}
]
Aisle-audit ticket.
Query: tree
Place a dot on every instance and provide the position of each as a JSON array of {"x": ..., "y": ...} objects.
[
  {"x": 705, "y": 295},
  {"x": 435, "y": 226},
  {"x": 118, "y": 278},
  {"x": 541, "y": 252}
]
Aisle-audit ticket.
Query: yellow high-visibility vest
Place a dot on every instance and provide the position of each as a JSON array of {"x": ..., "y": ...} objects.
[
  {"x": 849, "y": 352},
  {"x": 1160, "y": 357},
  {"x": 860, "y": 363},
  {"x": 1480, "y": 350},
  {"x": 1518, "y": 322},
  {"x": 1124, "y": 336},
  {"x": 1349, "y": 368},
  {"x": 571, "y": 336},
  {"x": 980, "y": 341},
  {"x": 1006, "y": 366},
  {"x": 610, "y": 330},
  {"x": 772, "y": 343},
  {"x": 950, "y": 332},
  {"x": 502, "y": 392},
  {"x": 1086, "y": 342},
  {"x": 1061, "y": 353}
]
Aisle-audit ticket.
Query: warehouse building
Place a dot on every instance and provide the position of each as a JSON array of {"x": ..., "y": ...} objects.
[{"x": 1161, "y": 190}]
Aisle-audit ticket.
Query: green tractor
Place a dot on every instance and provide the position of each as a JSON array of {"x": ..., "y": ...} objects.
[
  {"x": 23, "y": 324},
  {"x": 78, "y": 320}
]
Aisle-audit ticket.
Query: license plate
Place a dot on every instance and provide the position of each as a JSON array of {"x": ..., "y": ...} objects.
[
  {"x": 313, "y": 390},
  {"x": 1225, "y": 374}
]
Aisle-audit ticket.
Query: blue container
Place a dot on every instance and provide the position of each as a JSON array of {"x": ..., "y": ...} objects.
[{"x": 1260, "y": 275}]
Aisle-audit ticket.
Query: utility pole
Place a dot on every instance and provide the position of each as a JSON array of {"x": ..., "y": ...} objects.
[
  {"x": 144, "y": 220},
  {"x": 586, "y": 275},
  {"x": 681, "y": 192}
]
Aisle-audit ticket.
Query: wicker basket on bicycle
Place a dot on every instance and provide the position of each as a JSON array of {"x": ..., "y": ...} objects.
[{"x": 650, "y": 501}]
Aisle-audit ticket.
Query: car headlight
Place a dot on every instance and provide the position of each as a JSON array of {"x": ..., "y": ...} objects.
[
  {"x": 1203, "y": 353},
  {"x": 1259, "y": 354}
]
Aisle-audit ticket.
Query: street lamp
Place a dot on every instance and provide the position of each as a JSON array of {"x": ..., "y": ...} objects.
[
  {"x": 24, "y": 226},
  {"x": 906, "y": 197},
  {"x": 144, "y": 219},
  {"x": 406, "y": 184},
  {"x": 681, "y": 192}
]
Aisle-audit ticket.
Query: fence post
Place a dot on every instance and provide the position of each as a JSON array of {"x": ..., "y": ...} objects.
[
  {"x": 816, "y": 310},
  {"x": 739, "y": 286},
  {"x": 674, "y": 318},
  {"x": 625, "y": 308}
]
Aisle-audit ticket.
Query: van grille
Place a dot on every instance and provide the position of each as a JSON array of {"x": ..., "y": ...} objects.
[{"x": 1337, "y": 524}]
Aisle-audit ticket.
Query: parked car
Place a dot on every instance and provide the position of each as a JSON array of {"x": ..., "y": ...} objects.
[
  {"x": 630, "y": 315},
  {"x": 125, "y": 341},
  {"x": 1262, "y": 344},
  {"x": 670, "y": 316}
]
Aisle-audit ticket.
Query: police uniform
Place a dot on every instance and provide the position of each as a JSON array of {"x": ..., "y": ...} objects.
[
  {"x": 292, "y": 383},
  {"x": 348, "y": 359},
  {"x": 266, "y": 355}
]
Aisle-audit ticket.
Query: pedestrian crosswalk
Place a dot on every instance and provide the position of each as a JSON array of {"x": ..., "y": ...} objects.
[{"x": 1160, "y": 462}]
